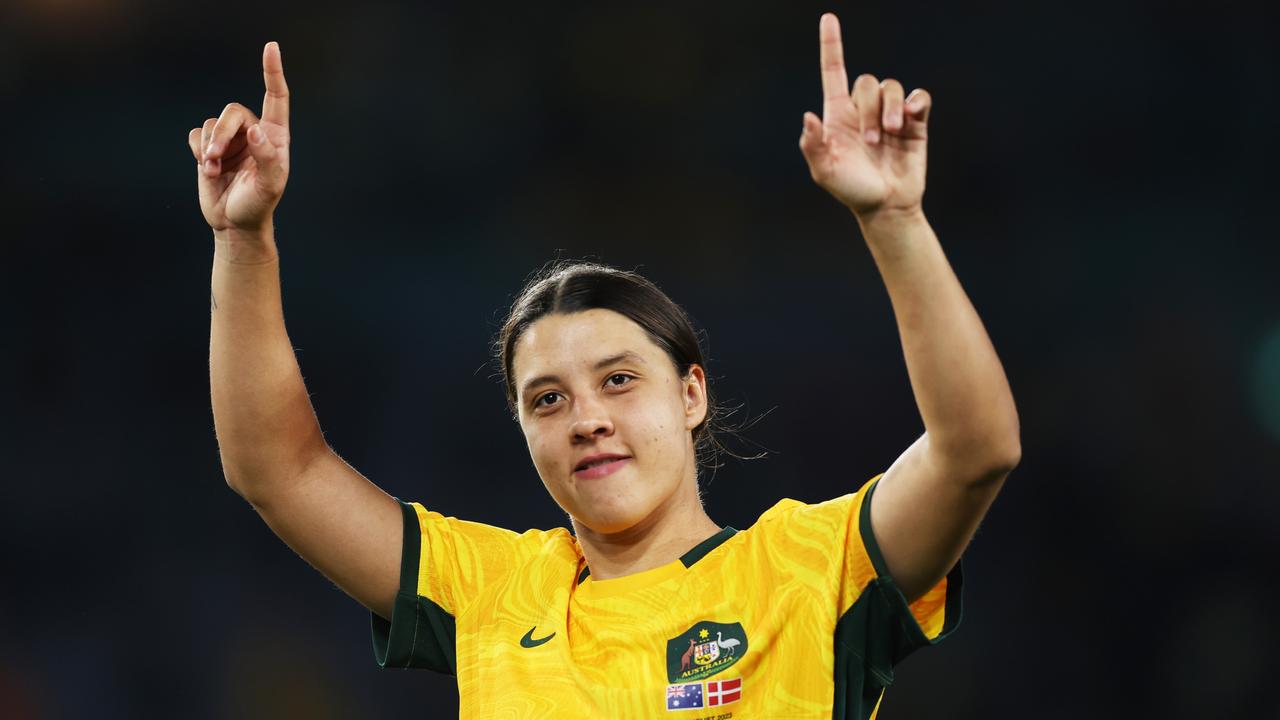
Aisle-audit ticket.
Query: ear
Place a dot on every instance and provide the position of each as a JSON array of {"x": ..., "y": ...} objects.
[{"x": 694, "y": 393}]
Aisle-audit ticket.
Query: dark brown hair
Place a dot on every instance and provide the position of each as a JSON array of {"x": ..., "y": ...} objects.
[{"x": 570, "y": 286}]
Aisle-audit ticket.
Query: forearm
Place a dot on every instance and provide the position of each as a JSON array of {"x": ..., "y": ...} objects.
[
  {"x": 959, "y": 385},
  {"x": 266, "y": 428}
]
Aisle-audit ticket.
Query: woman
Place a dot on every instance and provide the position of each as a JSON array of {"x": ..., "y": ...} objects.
[{"x": 648, "y": 606}]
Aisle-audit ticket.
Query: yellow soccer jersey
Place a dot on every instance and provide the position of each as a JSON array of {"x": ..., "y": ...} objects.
[{"x": 795, "y": 617}]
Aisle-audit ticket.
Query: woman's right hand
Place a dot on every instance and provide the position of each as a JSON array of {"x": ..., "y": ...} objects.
[{"x": 242, "y": 163}]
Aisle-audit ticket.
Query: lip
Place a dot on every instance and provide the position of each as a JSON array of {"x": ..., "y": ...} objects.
[{"x": 602, "y": 470}]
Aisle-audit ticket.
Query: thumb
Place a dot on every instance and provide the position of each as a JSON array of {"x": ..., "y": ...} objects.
[
  {"x": 271, "y": 171},
  {"x": 811, "y": 144}
]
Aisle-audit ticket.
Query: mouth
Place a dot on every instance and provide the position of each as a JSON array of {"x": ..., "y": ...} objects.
[{"x": 598, "y": 467}]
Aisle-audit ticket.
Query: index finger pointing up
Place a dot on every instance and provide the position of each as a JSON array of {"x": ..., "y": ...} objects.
[
  {"x": 835, "y": 83},
  {"x": 275, "y": 104}
]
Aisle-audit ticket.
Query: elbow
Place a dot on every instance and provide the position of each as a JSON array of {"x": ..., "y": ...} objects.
[
  {"x": 1008, "y": 457},
  {"x": 984, "y": 462},
  {"x": 259, "y": 478},
  {"x": 237, "y": 485},
  {"x": 1001, "y": 459},
  {"x": 249, "y": 483},
  {"x": 1010, "y": 446},
  {"x": 1000, "y": 449},
  {"x": 991, "y": 470}
]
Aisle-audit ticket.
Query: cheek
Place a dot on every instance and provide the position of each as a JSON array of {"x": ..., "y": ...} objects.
[
  {"x": 540, "y": 450},
  {"x": 657, "y": 425},
  {"x": 544, "y": 455}
]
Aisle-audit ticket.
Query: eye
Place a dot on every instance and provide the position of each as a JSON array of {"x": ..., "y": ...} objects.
[{"x": 615, "y": 380}]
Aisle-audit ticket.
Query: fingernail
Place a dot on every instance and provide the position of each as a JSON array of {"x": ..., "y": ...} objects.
[{"x": 872, "y": 135}]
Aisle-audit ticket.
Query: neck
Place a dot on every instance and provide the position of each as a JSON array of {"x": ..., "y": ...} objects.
[{"x": 671, "y": 530}]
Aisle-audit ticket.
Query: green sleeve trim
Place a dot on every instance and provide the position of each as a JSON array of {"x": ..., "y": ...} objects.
[
  {"x": 411, "y": 554},
  {"x": 912, "y": 635},
  {"x": 421, "y": 634},
  {"x": 869, "y": 537},
  {"x": 879, "y": 631}
]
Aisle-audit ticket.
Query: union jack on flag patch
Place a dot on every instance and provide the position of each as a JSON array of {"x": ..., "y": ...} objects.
[
  {"x": 723, "y": 692},
  {"x": 684, "y": 696}
]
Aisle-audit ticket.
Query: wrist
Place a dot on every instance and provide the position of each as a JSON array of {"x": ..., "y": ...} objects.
[
  {"x": 245, "y": 246},
  {"x": 891, "y": 233},
  {"x": 890, "y": 220}
]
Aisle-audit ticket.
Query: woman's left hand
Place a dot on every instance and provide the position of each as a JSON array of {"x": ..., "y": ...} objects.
[{"x": 868, "y": 150}]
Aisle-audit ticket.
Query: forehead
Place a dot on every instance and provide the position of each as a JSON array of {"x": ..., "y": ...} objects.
[{"x": 561, "y": 342}]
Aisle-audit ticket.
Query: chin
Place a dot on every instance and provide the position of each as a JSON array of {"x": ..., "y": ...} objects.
[{"x": 610, "y": 520}]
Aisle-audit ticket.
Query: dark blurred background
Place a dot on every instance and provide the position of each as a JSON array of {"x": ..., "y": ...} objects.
[{"x": 1100, "y": 175}]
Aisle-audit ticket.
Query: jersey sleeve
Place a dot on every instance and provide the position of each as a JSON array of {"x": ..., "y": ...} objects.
[
  {"x": 876, "y": 620},
  {"x": 444, "y": 564},
  {"x": 830, "y": 547}
]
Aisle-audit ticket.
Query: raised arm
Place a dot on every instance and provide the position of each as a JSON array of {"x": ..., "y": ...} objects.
[
  {"x": 273, "y": 452},
  {"x": 868, "y": 151}
]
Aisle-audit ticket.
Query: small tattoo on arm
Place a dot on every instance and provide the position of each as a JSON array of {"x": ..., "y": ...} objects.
[{"x": 213, "y": 302}]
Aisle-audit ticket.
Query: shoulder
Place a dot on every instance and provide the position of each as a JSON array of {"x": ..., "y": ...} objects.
[
  {"x": 469, "y": 541},
  {"x": 827, "y": 514},
  {"x": 789, "y": 517},
  {"x": 556, "y": 541},
  {"x": 817, "y": 540}
]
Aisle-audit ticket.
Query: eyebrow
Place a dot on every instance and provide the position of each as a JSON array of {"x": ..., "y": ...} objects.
[{"x": 599, "y": 365}]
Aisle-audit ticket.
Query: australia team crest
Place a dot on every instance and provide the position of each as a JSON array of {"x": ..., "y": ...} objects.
[{"x": 704, "y": 650}]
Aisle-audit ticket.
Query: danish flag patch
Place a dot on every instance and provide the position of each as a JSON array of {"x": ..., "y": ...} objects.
[{"x": 723, "y": 692}]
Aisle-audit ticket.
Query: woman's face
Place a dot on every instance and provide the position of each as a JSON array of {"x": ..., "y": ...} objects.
[{"x": 593, "y": 383}]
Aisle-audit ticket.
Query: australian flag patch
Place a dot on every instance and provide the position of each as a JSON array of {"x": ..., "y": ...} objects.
[{"x": 684, "y": 696}]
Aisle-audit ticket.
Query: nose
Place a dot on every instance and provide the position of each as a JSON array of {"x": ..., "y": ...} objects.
[{"x": 590, "y": 420}]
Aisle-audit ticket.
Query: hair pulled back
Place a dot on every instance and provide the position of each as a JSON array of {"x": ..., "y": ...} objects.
[{"x": 571, "y": 286}]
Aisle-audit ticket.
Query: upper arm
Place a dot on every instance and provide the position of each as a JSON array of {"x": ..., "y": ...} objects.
[
  {"x": 344, "y": 525},
  {"x": 924, "y": 512}
]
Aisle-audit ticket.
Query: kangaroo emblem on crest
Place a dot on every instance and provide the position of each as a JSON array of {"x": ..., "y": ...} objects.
[{"x": 684, "y": 659}]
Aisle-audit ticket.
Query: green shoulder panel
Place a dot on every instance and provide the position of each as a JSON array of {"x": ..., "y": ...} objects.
[
  {"x": 700, "y": 550},
  {"x": 879, "y": 631},
  {"x": 421, "y": 634}
]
